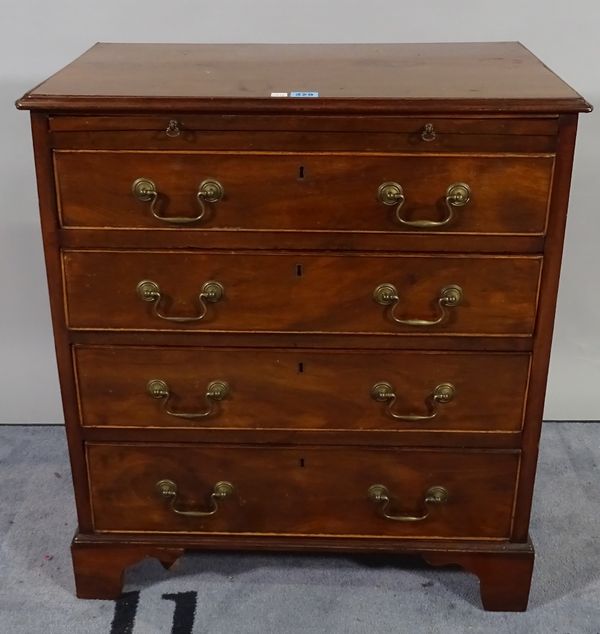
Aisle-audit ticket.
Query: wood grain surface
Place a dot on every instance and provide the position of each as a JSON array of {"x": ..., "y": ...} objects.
[
  {"x": 302, "y": 490},
  {"x": 304, "y": 191},
  {"x": 402, "y": 77},
  {"x": 300, "y": 389},
  {"x": 301, "y": 293}
]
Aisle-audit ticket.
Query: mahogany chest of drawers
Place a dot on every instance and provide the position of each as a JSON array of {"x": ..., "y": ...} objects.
[{"x": 315, "y": 320}]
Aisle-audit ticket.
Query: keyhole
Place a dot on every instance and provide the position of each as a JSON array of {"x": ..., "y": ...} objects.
[
  {"x": 301, "y": 172},
  {"x": 302, "y": 462},
  {"x": 299, "y": 270},
  {"x": 301, "y": 367}
]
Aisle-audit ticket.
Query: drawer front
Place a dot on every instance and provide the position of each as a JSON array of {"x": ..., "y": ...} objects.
[
  {"x": 297, "y": 133},
  {"x": 301, "y": 293},
  {"x": 299, "y": 490},
  {"x": 282, "y": 192},
  {"x": 294, "y": 389}
]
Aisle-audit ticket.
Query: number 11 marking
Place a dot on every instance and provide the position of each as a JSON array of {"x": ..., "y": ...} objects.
[{"x": 183, "y": 617}]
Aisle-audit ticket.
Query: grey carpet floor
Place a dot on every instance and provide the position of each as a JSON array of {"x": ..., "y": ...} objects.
[{"x": 293, "y": 594}]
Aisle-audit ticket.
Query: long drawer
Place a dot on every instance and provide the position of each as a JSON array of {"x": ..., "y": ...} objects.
[
  {"x": 246, "y": 292},
  {"x": 298, "y": 389},
  {"x": 333, "y": 192},
  {"x": 302, "y": 490}
]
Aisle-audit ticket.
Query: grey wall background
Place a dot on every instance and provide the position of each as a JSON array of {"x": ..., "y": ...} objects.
[{"x": 37, "y": 37}]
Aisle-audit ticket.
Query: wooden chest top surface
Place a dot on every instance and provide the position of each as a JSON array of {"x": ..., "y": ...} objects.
[{"x": 453, "y": 77}]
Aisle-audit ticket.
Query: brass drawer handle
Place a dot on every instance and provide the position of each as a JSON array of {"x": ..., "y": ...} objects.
[
  {"x": 457, "y": 195},
  {"x": 380, "y": 495},
  {"x": 443, "y": 393},
  {"x": 209, "y": 191},
  {"x": 173, "y": 128},
  {"x": 168, "y": 489},
  {"x": 215, "y": 391},
  {"x": 428, "y": 133},
  {"x": 211, "y": 292},
  {"x": 386, "y": 294}
]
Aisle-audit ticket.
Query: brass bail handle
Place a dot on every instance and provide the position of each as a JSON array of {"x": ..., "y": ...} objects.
[
  {"x": 379, "y": 494},
  {"x": 173, "y": 128},
  {"x": 450, "y": 296},
  {"x": 391, "y": 193},
  {"x": 215, "y": 391},
  {"x": 384, "y": 392},
  {"x": 428, "y": 133},
  {"x": 209, "y": 191},
  {"x": 211, "y": 292},
  {"x": 168, "y": 489}
]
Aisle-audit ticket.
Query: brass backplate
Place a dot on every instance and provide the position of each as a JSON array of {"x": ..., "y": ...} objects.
[
  {"x": 223, "y": 489},
  {"x": 385, "y": 294},
  {"x": 157, "y": 388},
  {"x": 382, "y": 391},
  {"x": 166, "y": 488},
  {"x": 143, "y": 189},
  {"x": 148, "y": 290},
  {"x": 212, "y": 291},
  {"x": 377, "y": 492},
  {"x": 217, "y": 390}
]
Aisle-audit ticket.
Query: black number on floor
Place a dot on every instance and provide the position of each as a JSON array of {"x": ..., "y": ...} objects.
[
  {"x": 185, "y": 611},
  {"x": 125, "y": 611}
]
